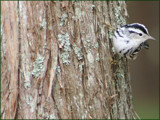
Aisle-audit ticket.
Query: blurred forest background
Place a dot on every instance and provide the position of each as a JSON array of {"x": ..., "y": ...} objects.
[{"x": 144, "y": 70}]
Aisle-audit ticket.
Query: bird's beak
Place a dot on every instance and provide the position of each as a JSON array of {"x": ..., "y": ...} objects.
[{"x": 152, "y": 38}]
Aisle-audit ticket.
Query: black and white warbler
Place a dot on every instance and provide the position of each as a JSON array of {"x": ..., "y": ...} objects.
[{"x": 129, "y": 39}]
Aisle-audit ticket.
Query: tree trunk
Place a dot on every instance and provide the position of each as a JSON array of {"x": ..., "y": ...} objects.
[{"x": 58, "y": 61}]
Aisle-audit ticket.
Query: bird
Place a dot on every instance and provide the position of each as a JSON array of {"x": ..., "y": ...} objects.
[{"x": 129, "y": 39}]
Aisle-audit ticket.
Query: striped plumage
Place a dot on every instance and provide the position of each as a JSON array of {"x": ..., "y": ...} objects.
[{"x": 129, "y": 39}]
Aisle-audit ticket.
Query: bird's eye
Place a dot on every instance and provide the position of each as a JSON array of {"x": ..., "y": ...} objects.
[{"x": 140, "y": 34}]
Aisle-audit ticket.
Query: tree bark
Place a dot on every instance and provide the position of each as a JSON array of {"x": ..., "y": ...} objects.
[{"x": 58, "y": 61}]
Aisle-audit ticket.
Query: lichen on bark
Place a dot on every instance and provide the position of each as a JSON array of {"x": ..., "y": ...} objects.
[{"x": 62, "y": 61}]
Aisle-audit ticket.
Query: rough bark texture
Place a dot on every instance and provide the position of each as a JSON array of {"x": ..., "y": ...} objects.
[{"x": 56, "y": 61}]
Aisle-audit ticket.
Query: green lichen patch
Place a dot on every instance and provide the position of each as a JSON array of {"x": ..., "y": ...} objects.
[
  {"x": 78, "y": 52},
  {"x": 38, "y": 66},
  {"x": 65, "y": 58},
  {"x": 87, "y": 43},
  {"x": 63, "y": 20},
  {"x": 111, "y": 33},
  {"x": 96, "y": 45},
  {"x": 120, "y": 74},
  {"x": 118, "y": 17},
  {"x": 64, "y": 40}
]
